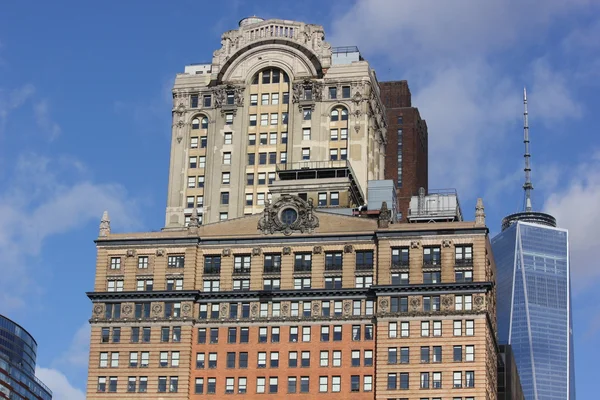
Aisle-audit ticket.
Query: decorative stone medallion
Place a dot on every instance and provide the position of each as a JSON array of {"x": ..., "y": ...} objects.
[
  {"x": 98, "y": 310},
  {"x": 287, "y": 215}
]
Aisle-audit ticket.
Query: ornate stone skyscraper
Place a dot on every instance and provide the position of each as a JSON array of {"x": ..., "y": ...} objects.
[
  {"x": 309, "y": 295},
  {"x": 277, "y": 110}
]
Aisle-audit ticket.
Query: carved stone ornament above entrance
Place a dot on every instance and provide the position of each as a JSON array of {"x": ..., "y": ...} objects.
[{"x": 289, "y": 214}]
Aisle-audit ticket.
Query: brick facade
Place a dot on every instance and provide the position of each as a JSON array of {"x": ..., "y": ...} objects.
[{"x": 400, "y": 114}]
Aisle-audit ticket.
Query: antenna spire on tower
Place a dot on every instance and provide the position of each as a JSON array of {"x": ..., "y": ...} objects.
[{"x": 527, "y": 186}]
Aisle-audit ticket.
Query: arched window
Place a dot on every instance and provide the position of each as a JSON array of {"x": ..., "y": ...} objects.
[
  {"x": 335, "y": 114},
  {"x": 200, "y": 123},
  {"x": 270, "y": 75}
]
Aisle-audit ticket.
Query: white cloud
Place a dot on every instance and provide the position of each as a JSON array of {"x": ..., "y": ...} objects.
[
  {"x": 425, "y": 29},
  {"x": 576, "y": 208},
  {"x": 456, "y": 55},
  {"x": 13, "y": 100},
  {"x": 47, "y": 198},
  {"x": 59, "y": 384},
  {"x": 77, "y": 355},
  {"x": 43, "y": 120}
]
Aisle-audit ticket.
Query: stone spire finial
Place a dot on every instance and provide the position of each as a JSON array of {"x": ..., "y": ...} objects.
[
  {"x": 479, "y": 212},
  {"x": 104, "y": 225},
  {"x": 385, "y": 214},
  {"x": 193, "y": 225}
]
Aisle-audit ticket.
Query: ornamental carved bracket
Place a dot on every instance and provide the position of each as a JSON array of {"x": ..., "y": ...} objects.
[
  {"x": 221, "y": 95},
  {"x": 446, "y": 243},
  {"x": 299, "y": 90},
  {"x": 415, "y": 244},
  {"x": 317, "y": 250},
  {"x": 287, "y": 215}
]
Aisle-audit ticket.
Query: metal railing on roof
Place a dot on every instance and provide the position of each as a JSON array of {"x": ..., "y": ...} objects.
[{"x": 344, "y": 49}]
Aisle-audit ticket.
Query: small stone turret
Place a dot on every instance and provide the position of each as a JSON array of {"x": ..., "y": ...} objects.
[
  {"x": 479, "y": 213},
  {"x": 104, "y": 225}
]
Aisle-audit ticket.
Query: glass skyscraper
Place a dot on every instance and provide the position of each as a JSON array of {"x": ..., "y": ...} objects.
[
  {"x": 17, "y": 364},
  {"x": 534, "y": 303}
]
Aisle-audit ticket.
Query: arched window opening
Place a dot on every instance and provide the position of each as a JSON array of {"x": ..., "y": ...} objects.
[
  {"x": 336, "y": 112},
  {"x": 270, "y": 75}
]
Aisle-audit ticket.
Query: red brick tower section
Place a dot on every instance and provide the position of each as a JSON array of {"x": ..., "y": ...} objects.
[{"x": 406, "y": 160}]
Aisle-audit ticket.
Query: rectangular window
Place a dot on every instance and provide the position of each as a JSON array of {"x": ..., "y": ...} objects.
[
  {"x": 305, "y": 133},
  {"x": 463, "y": 256},
  {"x": 425, "y": 354},
  {"x": 253, "y": 99},
  {"x": 144, "y": 359},
  {"x": 264, "y": 99},
  {"x": 227, "y": 138},
  {"x": 457, "y": 379},
  {"x": 306, "y": 114},
  {"x": 469, "y": 379},
  {"x": 403, "y": 380},
  {"x": 343, "y": 134},
  {"x": 274, "y": 98},
  {"x": 336, "y": 359},
  {"x": 337, "y": 333},
  {"x": 284, "y": 118},
  {"x": 211, "y": 387},
  {"x": 345, "y": 92},
  {"x": 333, "y": 92},
  {"x": 306, "y": 154},
  {"x": 274, "y": 119},
  {"x": 229, "y": 119},
  {"x": 201, "y": 181},
  {"x": 404, "y": 355},
  {"x": 334, "y": 135},
  {"x": 424, "y": 380},
  {"x": 115, "y": 263},
  {"x": 392, "y": 329},
  {"x": 405, "y": 331},
  {"x": 463, "y": 302},
  {"x": 203, "y": 145},
  {"x": 302, "y": 262},
  {"x": 437, "y": 354},
  {"x": 304, "y": 384},
  {"x": 194, "y": 142},
  {"x": 431, "y": 256},
  {"x": 469, "y": 328},
  {"x": 333, "y": 154},
  {"x": 470, "y": 353},
  {"x": 364, "y": 260},
  {"x": 392, "y": 383},
  {"x": 264, "y": 119},
  {"x": 392, "y": 355},
  {"x": 425, "y": 328},
  {"x": 322, "y": 200},
  {"x": 194, "y": 101},
  {"x": 207, "y": 101},
  {"x": 457, "y": 328},
  {"x": 177, "y": 261},
  {"x": 283, "y": 157}
]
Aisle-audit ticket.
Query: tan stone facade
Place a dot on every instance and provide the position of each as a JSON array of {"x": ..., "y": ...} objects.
[
  {"x": 273, "y": 100},
  {"x": 306, "y": 315},
  {"x": 255, "y": 288}
]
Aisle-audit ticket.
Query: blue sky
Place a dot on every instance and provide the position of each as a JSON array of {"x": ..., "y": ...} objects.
[{"x": 85, "y": 124}]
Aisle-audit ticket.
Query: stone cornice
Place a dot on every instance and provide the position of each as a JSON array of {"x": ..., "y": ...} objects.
[
  {"x": 289, "y": 295},
  {"x": 435, "y": 288},
  {"x": 116, "y": 297}
]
